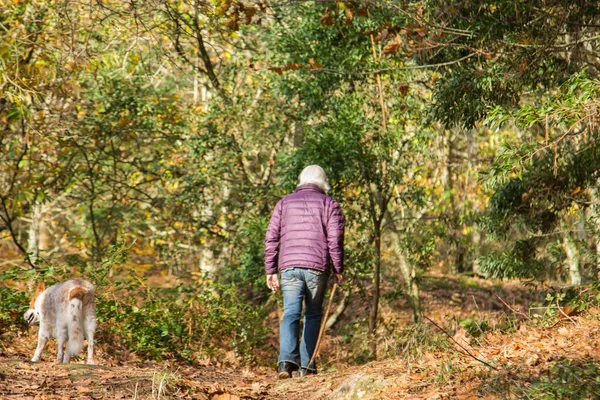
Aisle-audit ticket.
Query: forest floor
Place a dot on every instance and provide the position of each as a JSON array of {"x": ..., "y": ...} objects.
[{"x": 492, "y": 347}]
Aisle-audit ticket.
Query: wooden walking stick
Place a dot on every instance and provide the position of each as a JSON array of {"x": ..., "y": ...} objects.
[{"x": 322, "y": 330}]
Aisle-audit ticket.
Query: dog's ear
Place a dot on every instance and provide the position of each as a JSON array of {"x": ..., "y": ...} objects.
[{"x": 40, "y": 288}]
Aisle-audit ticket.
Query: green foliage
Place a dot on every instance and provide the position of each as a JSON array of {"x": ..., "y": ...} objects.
[
  {"x": 526, "y": 212},
  {"x": 565, "y": 303},
  {"x": 474, "y": 327},
  {"x": 507, "y": 65},
  {"x": 249, "y": 272},
  {"x": 568, "y": 379},
  {"x": 189, "y": 322},
  {"x": 517, "y": 262},
  {"x": 13, "y": 304},
  {"x": 463, "y": 98},
  {"x": 393, "y": 295}
]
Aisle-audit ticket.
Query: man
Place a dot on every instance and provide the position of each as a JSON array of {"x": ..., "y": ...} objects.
[{"x": 304, "y": 239}]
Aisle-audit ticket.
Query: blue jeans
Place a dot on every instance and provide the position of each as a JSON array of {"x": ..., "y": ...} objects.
[{"x": 300, "y": 284}]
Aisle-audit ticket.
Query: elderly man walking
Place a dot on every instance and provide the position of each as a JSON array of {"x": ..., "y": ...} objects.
[{"x": 304, "y": 240}]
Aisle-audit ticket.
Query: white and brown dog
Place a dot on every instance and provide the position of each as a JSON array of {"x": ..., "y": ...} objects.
[{"x": 66, "y": 311}]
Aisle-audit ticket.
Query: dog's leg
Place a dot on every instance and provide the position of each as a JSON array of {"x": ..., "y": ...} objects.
[
  {"x": 43, "y": 337},
  {"x": 61, "y": 338},
  {"x": 90, "y": 355},
  {"x": 90, "y": 328}
]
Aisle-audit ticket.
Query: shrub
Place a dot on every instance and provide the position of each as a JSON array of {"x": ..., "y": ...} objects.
[
  {"x": 13, "y": 305},
  {"x": 568, "y": 379},
  {"x": 185, "y": 322}
]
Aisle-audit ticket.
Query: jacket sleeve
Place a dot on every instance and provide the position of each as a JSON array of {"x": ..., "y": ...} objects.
[
  {"x": 335, "y": 236},
  {"x": 272, "y": 241}
]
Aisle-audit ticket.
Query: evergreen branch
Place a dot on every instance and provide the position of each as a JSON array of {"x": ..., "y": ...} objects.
[{"x": 391, "y": 69}]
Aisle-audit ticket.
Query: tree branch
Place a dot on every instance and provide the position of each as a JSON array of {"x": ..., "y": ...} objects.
[{"x": 460, "y": 345}]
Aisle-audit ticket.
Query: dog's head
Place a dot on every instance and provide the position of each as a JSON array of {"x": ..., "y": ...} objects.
[{"x": 32, "y": 316}]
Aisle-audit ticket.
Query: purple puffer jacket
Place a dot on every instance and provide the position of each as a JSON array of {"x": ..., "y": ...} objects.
[{"x": 306, "y": 231}]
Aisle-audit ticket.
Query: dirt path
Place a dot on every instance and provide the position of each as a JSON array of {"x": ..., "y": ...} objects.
[
  {"x": 25, "y": 380},
  {"x": 21, "y": 379}
]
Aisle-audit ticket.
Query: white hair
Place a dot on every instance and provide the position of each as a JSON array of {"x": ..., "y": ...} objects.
[{"x": 315, "y": 175}]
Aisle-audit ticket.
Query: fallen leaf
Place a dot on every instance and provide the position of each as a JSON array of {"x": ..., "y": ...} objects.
[
  {"x": 563, "y": 331},
  {"x": 349, "y": 16},
  {"x": 532, "y": 360},
  {"x": 291, "y": 66},
  {"x": 419, "y": 376},
  {"x": 314, "y": 64},
  {"x": 225, "y": 396},
  {"x": 434, "y": 395},
  {"x": 327, "y": 19},
  {"x": 256, "y": 387},
  {"x": 393, "y": 46}
]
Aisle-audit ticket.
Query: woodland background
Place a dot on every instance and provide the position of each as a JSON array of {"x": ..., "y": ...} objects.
[{"x": 144, "y": 144}]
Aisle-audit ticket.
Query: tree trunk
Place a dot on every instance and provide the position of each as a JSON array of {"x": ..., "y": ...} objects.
[
  {"x": 595, "y": 209},
  {"x": 409, "y": 274},
  {"x": 33, "y": 240},
  {"x": 597, "y": 257},
  {"x": 572, "y": 253},
  {"x": 339, "y": 311},
  {"x": 456, "y": 258},
  {"x": 375, "y": 299},
  {"x": 476, "y": 242}
]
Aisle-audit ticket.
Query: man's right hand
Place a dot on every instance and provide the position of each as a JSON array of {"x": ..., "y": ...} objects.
[
  {"x": 338, "y": 278},
  {"x": 273, "y": 282}
]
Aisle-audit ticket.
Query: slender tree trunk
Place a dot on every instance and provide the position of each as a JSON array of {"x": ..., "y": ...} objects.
[
  {"x": 206, "y": 262},
  {"x": 596, "y": 209},
  {"x": 476, "y": 242},
  {"x": 410, "y": 278},
  {"x": 373, "y": 312},
  {"x": 572, "y": 253},
  {"x": 33, "y": 239},
  {"x": 339, "y": 311},
  {"x": 597, "y": 257},
  {"x": 457, "y": 258}
]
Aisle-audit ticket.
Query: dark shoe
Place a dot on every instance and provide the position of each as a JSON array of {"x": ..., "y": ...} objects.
[
  {"x": 307, "y": 371},
  {"x": 285, "y": 369}
]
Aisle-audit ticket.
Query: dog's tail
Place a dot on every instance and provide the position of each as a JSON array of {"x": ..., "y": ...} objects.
[{"x": 75, "y": 320}]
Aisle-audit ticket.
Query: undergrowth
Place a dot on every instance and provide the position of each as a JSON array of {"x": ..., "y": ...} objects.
[
  {"x": 12, "y": 306},
  {"x": 568, "y": 379},
  {"x": 565, "y": 302},
  {"x": 183, "y": 322}
]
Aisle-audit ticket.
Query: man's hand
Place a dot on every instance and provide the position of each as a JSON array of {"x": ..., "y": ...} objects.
[
  {"x": 338, "y": 278},
  {"x": 273, "y": 282}
]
